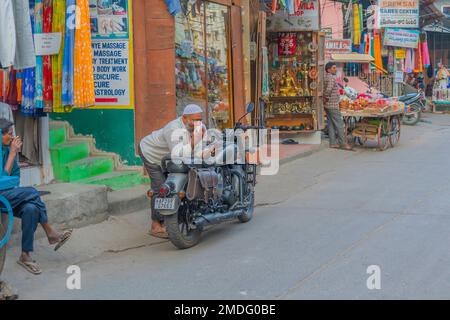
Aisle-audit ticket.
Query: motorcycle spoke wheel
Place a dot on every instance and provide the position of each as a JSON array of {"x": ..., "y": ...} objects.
[{"x": 179, "y": 230}]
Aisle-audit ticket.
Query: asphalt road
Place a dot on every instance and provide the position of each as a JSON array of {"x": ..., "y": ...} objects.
[{"x": 320, "y": 223}]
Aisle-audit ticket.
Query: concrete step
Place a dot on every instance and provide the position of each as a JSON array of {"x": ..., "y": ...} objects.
[
  {"x": 129, "y": 200},
  {"x": 58, "y": 134},
  {"x": 85, "y": 168},
  {"x": 118, "y": 180},
  {"x": 68, "y": 152},
  {"x": 70, "y": 205}
]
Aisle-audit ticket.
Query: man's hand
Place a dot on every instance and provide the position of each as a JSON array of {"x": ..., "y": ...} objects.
[
  {"x": 197, "y": 135},
  {"x": 16, "y": 145}
]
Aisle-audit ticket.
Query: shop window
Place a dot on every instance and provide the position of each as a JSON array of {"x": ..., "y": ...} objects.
[{"x": 203, "y": 65}]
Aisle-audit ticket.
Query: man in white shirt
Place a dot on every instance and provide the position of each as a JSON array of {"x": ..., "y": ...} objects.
[{"x": 160, "y": 143}]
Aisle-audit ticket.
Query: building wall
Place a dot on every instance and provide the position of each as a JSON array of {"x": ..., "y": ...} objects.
[{"x": 332, "y": 17}]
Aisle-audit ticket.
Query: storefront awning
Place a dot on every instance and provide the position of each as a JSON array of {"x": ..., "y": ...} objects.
[{"x": 352, "y": 57}]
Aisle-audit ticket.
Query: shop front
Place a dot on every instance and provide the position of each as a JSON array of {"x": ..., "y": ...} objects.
[
  {"x": 292, "y": 69},
  {"x": 203, "y": 45}
]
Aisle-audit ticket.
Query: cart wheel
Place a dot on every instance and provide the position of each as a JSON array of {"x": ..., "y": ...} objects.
[
  {"x": 394, "y": 135},
  {"x": 383, "y": 138},
  {"x": 349, "y": 126},
  {"x": 361, "y": 141}
]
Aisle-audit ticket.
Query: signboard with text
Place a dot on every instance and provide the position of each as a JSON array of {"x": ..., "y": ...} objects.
[
  {"x": 112, "y": 51},
  {"x": 305, "y": 19},
  {"x": 398, "y": 14},
  {"x": 337, "y": 46},
  {"x": 402, "y": 38}
]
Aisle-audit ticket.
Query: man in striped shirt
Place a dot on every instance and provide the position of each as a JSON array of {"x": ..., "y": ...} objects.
[{"x": 331, "y": 103}]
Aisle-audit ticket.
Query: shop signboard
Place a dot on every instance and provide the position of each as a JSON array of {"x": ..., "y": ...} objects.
[
  {"x": 112, "y": 50},
  {"x": 400, "y": 54},
  {"x": 305, "y": 19},
  {"x": 337, "y": 46},
  {"x": 402, "y": 38},
  {"x": 398, "y": 14}
]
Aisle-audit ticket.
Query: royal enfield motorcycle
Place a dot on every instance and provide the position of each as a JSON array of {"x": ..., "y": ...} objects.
[{"x": 195, "y": 195}]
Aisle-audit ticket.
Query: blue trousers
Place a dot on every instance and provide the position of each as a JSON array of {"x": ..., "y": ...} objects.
[{"x": 27, "y": 205}]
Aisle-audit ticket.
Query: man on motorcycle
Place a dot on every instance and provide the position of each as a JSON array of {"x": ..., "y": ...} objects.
[{"x": 160, "y": 143}]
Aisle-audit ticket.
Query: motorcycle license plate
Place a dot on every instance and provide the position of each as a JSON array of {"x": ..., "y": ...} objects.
[{"x": 165, "y": 203}]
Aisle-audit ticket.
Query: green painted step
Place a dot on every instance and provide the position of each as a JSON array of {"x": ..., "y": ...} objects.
[
  {"x": 57, "y": 134},
  {"x": 118, "y": 180},
  {"x": 85, "y": 168},
  {"x": 64, "y": 153}
]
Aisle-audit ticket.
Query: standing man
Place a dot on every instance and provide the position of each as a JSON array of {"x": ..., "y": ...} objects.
[
  {"x": 331, "y": 103},
  {"x": 158, "y": 144}
]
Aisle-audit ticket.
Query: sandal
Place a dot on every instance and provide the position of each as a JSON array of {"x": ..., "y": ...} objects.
[
  {"x": 66, "y": 236},
  {"x": 30, "y": 266},
  {"x": 159, "y": 234}
]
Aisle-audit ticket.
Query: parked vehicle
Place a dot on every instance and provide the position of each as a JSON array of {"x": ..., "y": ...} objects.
[{"x": 196, "y": 195}]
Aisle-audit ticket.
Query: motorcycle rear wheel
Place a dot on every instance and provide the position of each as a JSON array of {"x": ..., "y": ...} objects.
[
  {"x": 414, "y": 116},
  {"x": 180, "y": 234}
]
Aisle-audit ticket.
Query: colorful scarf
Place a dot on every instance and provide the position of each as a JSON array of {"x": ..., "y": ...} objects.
[
  {"x": 83, "y": 84},
  {"x": 58, "y": 25},
  {"x": 69, "y": 41},
  {"x": 46, "y": 60},
  {"x": 38, "y": 14}
]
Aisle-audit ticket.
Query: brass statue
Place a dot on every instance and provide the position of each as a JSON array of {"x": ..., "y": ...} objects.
[
  {"x": 305, "y": 72},
  {"x": 288, "y": 87}
]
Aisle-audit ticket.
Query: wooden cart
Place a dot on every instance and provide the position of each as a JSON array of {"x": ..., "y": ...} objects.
[{"x": 384, "y": 128}]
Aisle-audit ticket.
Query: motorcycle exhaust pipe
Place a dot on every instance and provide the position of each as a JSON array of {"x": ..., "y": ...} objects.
[{"x": 216, "y": 218}]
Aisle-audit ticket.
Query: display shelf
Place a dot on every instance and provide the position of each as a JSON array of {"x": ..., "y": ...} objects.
[{"x": 275, "y": 99}]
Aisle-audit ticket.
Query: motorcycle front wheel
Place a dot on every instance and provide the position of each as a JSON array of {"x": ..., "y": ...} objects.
[
  {"x": 179, "y": 231},
  {"x": 413, "y": 117},
  {"x": 247, "y": 215}
]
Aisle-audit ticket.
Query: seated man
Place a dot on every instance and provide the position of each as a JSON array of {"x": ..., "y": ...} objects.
[
  {"x": 26, "y": 202},
  {"x": 158, "y": 144}
]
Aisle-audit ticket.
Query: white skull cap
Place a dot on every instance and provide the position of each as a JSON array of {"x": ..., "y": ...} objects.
[{"x": 192, "y": 109}]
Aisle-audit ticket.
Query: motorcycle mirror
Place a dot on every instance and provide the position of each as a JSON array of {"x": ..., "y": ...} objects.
[{"x": 250, "y": 107}]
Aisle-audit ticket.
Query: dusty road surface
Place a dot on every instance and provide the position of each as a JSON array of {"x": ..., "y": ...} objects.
[{"x": 319, "y": 225}]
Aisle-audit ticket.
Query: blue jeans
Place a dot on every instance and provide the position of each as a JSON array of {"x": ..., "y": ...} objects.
[{"x": 27, "y": 205}]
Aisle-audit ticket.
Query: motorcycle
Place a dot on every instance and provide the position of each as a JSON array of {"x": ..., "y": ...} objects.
[
  {"x": 196, "y": 195},
  {"x": 416, "y": 103}
]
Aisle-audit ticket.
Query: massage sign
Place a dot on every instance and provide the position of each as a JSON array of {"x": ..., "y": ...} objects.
[{"x": 398, "y": 13}]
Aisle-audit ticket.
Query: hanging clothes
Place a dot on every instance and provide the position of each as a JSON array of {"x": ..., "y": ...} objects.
[
  {"x": 67, "y": 71},
  {"x": 7, "y": 34},
  {"x": 425, "y": 53},
  {"x": 11, "y": 94},
  {"x": 356, "y": 25},
  {"x": 377, "y": 51},
  {"x": 29, "y": 77},
  {"x": 418, "y": 64},
  {"x": 46, "y": 60},
  {"x": 24, "y": 54},
  {"x": 38, "y": 15},
  {"x": 83, "y": 84},
  {"x": 265, "y": 79},
  {"x": 58, "y": 25}
]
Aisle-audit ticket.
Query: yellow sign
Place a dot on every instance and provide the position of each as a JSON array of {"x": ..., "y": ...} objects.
[{"x": 400, "y": 54}]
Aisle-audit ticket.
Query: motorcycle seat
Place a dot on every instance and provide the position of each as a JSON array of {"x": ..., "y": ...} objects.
[
  {"x": 409, "y": 96},
  {"x": 177, "y": 168}
]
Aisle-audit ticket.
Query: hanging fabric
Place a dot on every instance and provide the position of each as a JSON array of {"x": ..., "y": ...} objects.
[
  {"x": 361, "y": 20},
  {"x": 426, "y": 55},
  {"x": 377, "y": 51},
  {"x": 356, "y": 25},
  {"x": 274, "y": 6},
  {"x": 265, "y": 78},
  {"x": 418, "y": 64},
  {"x": 67, "y": 72},
  {"x": 58, "y": 25},
  {"x": 8, "y": 34},
  {"x": 24, "y": 52},
  {"x": 47, "y": 82},
  {"x": 29, "y": 77},
  {"x": 38, "y": 14},
  {"x": 83, "y": 84}
]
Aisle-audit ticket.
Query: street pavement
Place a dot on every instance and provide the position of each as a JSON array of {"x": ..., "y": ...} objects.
[{"x": 318, "y": 226}]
